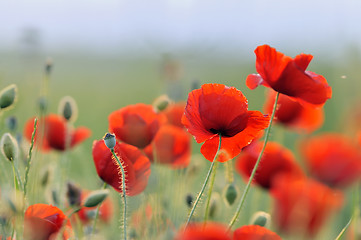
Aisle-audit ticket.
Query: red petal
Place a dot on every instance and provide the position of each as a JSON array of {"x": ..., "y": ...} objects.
[
  {"x": 44, "y": 221},
  {"x": 232, "y": 146},
  {"x": 254, "y": 232},
  {"x": 79, "y": 135},
  {"x": 253, "y": 81},
  {"x": 135, "y": 124},
  {"x": 172, "y": 146},
  {"x": 136, "y": 166},
  {"x": 270, "y": 64},
  {"x": 276, "y": 160},
  {"x": 201, "y": 231},
  {"x": 303, "y": 205},
  {"x": 333, "y": 159}
]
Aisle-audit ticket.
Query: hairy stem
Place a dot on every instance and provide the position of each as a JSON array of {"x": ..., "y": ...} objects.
[{"x": 245, "y": 192}]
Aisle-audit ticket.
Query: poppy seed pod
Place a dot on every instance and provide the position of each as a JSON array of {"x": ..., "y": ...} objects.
[
  {"x": 8, "y": 96},
  {"x": 68, "y": 108},
  {"x": 109, "y": 140},
  {"x": 261, "y": 218},
  {"x": 161, "y": 103},
  {"x": 9, "y": 146}
]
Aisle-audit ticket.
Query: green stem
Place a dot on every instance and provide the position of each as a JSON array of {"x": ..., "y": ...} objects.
[
  {"x": 213, "y": 177},
  {"x": 97, "y": 212},
  {"x": 29, "y": 158},
  {"x": 17, "y": 180},
  {"x": 204, "y": 184},
  {"x": 123, "y": 193},
  {"x": 245, "y": 192},
  {"x": 229, "y": 171}
]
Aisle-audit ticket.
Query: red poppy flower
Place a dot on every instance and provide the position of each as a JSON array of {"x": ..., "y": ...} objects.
[
  {"x": 215, "y": 110},
  {"x": 199, "y": 231},
  {"x": 45, "y": 222},
  {"x": 254, "y": 232},
  {"x": 136, "y": 124},
  {"x": 172, "y": 146},
  {"x": 333, "y": 159},
  {"x": 289, "y": 76},
  {"x": 293, "y": 114},
  {"x": 174, "y": 113},
  {"x": 275, "y": 160},
  {"x": 55, "y": 128},
  {"x": 87, "y": 214},
  {"x": 136, "y": 166},
  {"x": 303, "y": 205}
]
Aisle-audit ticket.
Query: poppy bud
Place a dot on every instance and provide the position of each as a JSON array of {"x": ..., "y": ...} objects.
[
  {"x": 161, "y": 103},
  {"x": 8, "y": 96},
  {"x": 73, "y": 194},
  {"x": 261, "y": 218},
  {"x": 109, "y": 140},
  {"x": 214, "y": 205},
  {"x": 12, "y": 123},
  {"x": 189, "y": 200},
  {"x": 68, "y": 108},
  {"x": 9, "y": 146},
  {"x": 96, "y": 198},
  {"x": 48, "y": 66},
  {"x": 42, "y": 104},
  {"x": 230, "y": 194}
]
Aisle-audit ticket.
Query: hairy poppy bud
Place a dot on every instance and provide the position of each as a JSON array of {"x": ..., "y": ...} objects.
[
  {"x": 96, "y": 198},
  {"x": 48, "y": 66},
  {"x": 12, "y": 123},
  {"x": 73, "y": 194},
  {"x": 109, "y": 140},
  {"x": 9, "y": 147},
  {"x": 161, "y": 103},
  {"x": 262, "y": 219},
  {"x": 68, "y": 108},
  {"x": 8, "y": 96},
  {"x": 230, "y": 194},
  {"x": 42, "y": 104},
  {"x": 189, "y": 200},
  {"x": 213, "y": 208}
]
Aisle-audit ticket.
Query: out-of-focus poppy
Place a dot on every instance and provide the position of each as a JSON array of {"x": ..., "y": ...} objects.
[
  {"x": 254, "y": 232},
  {"x": 136, "y": 124},
  {"x": 87, "y": 214},
  {"x": 55, "y": 132},
  {"x": 289, "y": 76},
  {"x": 303, "y": 205},
  {"x": 45, "y": 222},
  {"x": 172, "y": 145},
  {"x": 216, "y": 110},
  {"x": 174, "y": 113},
  {"x": 333, "y": 159},
  {"x": 136, "y": 166},
  {"x": 294, "y": 115},
  {"x": 199, "y": 231},
  {"x": 275, "y": 160}
]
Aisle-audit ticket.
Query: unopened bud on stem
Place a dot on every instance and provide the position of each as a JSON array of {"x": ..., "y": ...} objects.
[{"x": 109, "y": 140}]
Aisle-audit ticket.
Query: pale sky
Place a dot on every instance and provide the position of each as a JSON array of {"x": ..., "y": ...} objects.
[{"x": 109, "y": 24}]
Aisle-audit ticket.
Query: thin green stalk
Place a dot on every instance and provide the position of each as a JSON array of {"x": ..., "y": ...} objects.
[
  {"x": 213, "y": 177},
  {"x": 339, "y": 236},
  {"x": 229, "y": 171},
  {"x": 245, "y": 192},
  {"x": 28, "y": 161},
  {"x": 204, "y": 184},
  {"x": 123, "y": 193},
  {"x": 97, "y": 212},
  {"x": 17, "y": 179}
]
